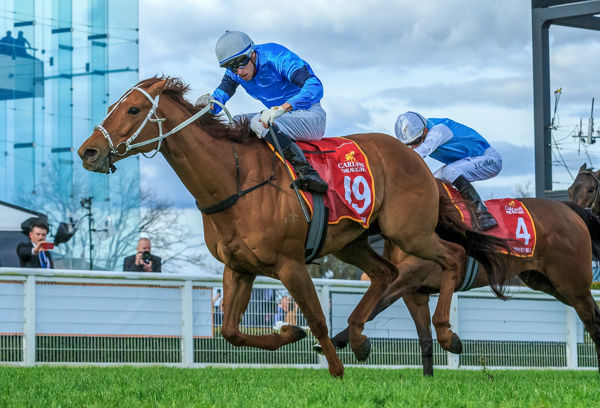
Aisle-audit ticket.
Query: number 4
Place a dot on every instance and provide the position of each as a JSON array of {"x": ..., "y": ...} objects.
[{"x": 521, "y": 231}]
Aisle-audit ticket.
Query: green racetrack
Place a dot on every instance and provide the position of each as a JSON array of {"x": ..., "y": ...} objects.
[{"x": 58, "y": 386}]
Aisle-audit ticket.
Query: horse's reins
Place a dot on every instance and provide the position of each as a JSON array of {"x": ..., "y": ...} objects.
[
  {"x": 594, "y": 205},
  {"x": 128, "y": 145}
]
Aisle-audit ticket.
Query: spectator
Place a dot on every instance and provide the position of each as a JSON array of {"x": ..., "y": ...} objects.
[
  {"x": 364, "y": 277},
  {"x": 143, "y": 260},
  {"x": 7, "y": 44},
  {"x": 21, "y": 45},
  {"x": 34, "y": 254},
  {"x": 287, "y": 311}
]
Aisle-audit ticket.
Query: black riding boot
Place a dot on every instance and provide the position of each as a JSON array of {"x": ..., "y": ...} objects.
[
  {"x": 308, "y": 178},
  {"x": 485, "y": 220}
]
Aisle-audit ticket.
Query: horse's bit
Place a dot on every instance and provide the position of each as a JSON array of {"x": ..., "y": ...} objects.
[
  {"x": 593, "y": 206},
  {"x": 123, "y": 147}
]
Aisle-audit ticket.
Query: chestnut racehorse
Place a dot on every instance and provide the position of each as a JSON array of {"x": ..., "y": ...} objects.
[
  {"x": 263, "y": 232},
  {"x": 561, "y": 266}
]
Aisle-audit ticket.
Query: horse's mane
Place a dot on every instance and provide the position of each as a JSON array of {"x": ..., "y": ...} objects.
[{"x": 215, "y": 126}]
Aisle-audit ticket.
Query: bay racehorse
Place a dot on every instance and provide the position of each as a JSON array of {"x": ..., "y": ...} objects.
[
  {"x": 263, "y": 232},
  {"x": 561, "y": 266},
  {"x": 585, "y": 190}
]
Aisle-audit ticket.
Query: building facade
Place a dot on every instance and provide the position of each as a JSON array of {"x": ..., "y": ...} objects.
[{"x": 62, "y": 63}]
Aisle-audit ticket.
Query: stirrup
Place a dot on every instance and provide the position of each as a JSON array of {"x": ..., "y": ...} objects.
[{"x": 310, "y": 184}]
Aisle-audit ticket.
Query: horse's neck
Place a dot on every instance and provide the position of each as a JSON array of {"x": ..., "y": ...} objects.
[{"x": 204, "y": 164}]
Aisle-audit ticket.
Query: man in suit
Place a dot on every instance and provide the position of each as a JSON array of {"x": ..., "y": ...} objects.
[
  {"x": 33, "y": 254},
  {"x": 143, "y": 260}
]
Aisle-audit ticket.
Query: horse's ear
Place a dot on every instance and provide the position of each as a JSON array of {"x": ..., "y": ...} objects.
[
  {"x": 583, "y": 167},
  {"x": 157, "y": 88}
]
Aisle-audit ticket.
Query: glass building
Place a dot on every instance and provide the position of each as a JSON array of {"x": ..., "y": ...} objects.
[{"x": 62, "y": 63}]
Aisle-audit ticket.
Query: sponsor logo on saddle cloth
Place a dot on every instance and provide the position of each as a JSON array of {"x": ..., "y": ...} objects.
[
  {"x": 514, "y": 222},
  {"x": 345, "y": 168}
]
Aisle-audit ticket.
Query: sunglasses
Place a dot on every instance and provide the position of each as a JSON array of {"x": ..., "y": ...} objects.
[{"x": 237, "y": 63}]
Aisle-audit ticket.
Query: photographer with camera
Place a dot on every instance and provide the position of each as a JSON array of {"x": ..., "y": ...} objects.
[
  {"x": 34, "y": 254},
  {"x": 143, "y": 260}
]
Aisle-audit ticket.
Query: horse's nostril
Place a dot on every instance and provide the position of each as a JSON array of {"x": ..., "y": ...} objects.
[{"x": 90, "y": 154}]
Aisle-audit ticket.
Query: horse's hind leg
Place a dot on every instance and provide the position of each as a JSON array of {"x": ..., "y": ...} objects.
[
  {"x": 382, "y": 273},
  {"x": 297, "y": 281},
  {"x": 411, "y": 274},
  {"x": 237, "y": 289},
  {"x": 451, "y": 257},
  {"x": 418, "y": 306}
]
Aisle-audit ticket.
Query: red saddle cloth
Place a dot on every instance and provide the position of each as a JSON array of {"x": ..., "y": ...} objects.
[
  {"x": 514, "y": 221},
  {"x": 345, "y": 168}
]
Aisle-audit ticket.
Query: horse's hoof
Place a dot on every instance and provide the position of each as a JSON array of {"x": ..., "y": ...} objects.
[
  {"x": 456, "y": 344},
  {"x": 339, "y": 344},
  {"x": 294, "y": 332},
  {"x": 428, "y": 366},
  {"x": 362, "y": 352},
  {"x": 317, "y": 348},
  {"x": 339, "y": 374}
]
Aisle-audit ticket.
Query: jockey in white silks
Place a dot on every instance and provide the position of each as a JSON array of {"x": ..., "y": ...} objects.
[
  {"x": 466, "y": 155},
  {"x": 284, "y": 83}
]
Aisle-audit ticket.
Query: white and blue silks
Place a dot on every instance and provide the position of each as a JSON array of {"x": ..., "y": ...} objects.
[
  {"x": 463, "y": 151},
  {"x": 281, "y": 76}
]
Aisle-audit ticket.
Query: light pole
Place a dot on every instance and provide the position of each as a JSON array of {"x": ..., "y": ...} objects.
[{"x": 86, "y": 204}]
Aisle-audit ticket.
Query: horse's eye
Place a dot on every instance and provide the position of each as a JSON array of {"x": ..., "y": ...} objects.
[
  {"x": 591, "y": 190},
  {"x": 133, "y": 110}
]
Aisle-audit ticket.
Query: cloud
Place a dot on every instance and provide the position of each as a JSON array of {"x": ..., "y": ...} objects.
[{"x": 507, "y": 92}]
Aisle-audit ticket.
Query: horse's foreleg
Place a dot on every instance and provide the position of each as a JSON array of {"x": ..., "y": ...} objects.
[
  {"x": 418, "y": 306},
  {"x": 297, "y": 281},
  {"x": 588, "y": 312},
  {"x": 237, "y": 289},
  {"x": 382, "y": 273}
]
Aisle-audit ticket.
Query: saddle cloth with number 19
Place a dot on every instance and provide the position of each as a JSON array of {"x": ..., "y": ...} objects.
[
  {"x": 514, "y": 222},
  {"x": 345, "y": 168}
]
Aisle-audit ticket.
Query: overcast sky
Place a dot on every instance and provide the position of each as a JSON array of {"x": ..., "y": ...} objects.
[{"x": 469, "y": 60}]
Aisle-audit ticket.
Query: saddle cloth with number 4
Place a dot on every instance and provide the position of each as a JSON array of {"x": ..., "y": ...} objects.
[
  {"x": 345, "y": 168},
  {"x": 514, "y": 222}
]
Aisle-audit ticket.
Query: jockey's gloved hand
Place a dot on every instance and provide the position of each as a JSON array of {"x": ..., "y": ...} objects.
[
  {"x": 268, "y": 116},
  {"x": 204, "y": 100}
]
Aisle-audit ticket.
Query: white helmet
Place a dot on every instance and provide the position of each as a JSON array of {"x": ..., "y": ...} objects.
[
  {"x": 231, "y": 45},
  {"x": 410, "y": 126}
]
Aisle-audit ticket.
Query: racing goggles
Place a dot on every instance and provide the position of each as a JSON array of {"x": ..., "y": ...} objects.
[{"x": 236, "y": 63}]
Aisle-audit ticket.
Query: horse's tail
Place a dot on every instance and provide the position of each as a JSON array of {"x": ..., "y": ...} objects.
[
  {"x": 486, "y": 249},
  {"x": 592, "y": 221}
]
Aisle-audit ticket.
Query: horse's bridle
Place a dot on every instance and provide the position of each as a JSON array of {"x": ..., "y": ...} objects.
[
  {"x": 123, "y": 147},
  {"x": 596, "y": 201}
]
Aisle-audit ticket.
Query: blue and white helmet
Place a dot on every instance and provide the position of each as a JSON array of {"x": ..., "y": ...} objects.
[
  {"x": 410, "y": 126},
  {"x": 232, "y": 45}
]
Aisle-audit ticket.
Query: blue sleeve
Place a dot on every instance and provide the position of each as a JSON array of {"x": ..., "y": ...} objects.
[
  {"x": 298, "y": 72},
  {"x": 224, "y": 92}
]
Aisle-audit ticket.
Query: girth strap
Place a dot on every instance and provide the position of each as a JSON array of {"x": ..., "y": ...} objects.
[
  {"x": 471, "y": 274},
  {"x": 232, "y": 199}
]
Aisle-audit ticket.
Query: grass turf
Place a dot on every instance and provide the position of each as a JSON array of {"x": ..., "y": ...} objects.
[{"x": 280, "y": 387}]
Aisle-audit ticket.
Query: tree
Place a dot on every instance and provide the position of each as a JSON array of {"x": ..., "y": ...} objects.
[{"x": 332, "y": 268}]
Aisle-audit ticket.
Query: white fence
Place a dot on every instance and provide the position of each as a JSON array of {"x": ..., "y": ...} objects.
[{"x": 86, "y": 317}]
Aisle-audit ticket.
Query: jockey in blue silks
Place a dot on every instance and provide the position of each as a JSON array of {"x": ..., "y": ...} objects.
[
  {"x": 286, "y": 85},
  {"x": 466, "y": 155}
]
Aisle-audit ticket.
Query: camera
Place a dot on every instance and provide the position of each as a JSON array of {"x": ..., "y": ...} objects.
[{"x": 146, "y": 257}]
